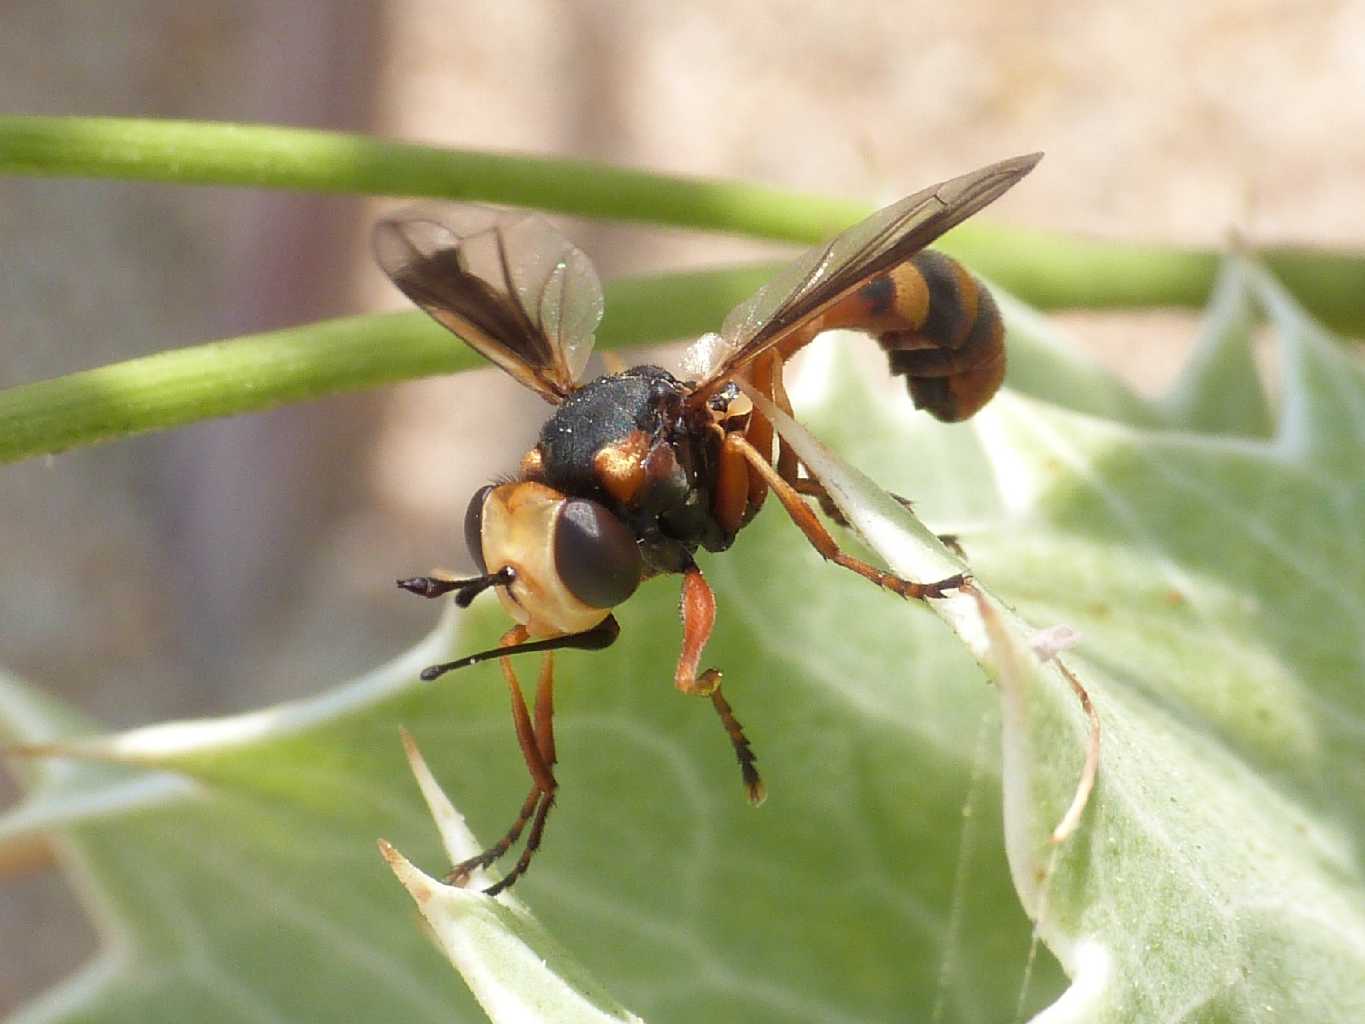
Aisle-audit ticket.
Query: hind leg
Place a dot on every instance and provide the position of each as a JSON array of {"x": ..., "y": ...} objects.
[{"x": 809, "y": 524}]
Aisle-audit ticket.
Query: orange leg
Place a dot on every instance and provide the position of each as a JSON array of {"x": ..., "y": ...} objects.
[
  {"x": 733, "y": 503},
  {"x": 812, "y": 488},
  {"x": 545, "y": 742},
  {"x": 538, "y": 748},
  {"x": 788, "y": 467},
  {"x": 767, "y": 378},
  {"x": 770, "y": 383},
  {"x": 786, "y": 457},
  {"x": 699, "y": 617},
  {"x": 739, "y": 494},
  {"x": 805, "y": 518},
  {"x": 521, "y": 716},
  {"x": 545, "y": 710}
]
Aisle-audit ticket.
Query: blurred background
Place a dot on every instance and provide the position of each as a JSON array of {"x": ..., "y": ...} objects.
[{"x": 237, "y": 562}]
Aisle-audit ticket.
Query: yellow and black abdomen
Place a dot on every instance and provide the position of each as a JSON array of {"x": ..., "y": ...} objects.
[{"x": 940, "y": 328}]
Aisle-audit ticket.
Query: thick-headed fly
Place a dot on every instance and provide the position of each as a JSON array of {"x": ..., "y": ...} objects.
[{"x": 637, "y": 470}]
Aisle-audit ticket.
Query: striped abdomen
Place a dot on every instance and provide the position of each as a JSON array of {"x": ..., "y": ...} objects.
[{"x": 940, "y": 329}]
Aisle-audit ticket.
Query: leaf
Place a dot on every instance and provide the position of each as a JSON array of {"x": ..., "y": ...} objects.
[
  {"x": 1217, "y": 581},
  {"x": 235, "y": 888},
  {"x": 513, "y": 967},
  {"x": 1213, "y": 569}
]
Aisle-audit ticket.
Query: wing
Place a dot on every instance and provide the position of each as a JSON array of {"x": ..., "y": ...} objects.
[
  {"x": 815, "y": 281},
  {"x": 505, "y": 281}
]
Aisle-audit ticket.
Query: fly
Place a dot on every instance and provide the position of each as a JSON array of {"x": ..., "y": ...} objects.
[{"x": 635, "y": 471}]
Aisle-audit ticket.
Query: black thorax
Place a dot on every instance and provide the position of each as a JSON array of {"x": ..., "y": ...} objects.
[{"x": 671, "y": 514}]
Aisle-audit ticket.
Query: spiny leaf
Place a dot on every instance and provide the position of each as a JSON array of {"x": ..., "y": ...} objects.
[{"x": 1216, "y": 582}]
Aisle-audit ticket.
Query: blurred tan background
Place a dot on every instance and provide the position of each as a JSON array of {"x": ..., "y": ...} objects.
[{"x": 237, "y": 562}]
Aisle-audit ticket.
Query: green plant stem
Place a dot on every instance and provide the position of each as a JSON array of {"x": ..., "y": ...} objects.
[
  {"x": 1051, "y": 272},
  {"x": 1045, "y": 270},
  {"x": 255, "y": 372},
  {"x": 265, "y": 156},
  {"x": 259, "y": 371}
]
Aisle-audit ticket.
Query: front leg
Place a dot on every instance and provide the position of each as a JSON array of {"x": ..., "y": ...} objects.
[{"x": 541, "y": 766}]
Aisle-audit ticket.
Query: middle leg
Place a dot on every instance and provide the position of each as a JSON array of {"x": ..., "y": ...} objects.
[{"x": 699, "y": 617}]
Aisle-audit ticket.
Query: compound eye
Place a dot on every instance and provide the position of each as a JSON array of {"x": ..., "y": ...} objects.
[
  {"x": 595, "y": 555},
  {"x": 473, "y": 526}
]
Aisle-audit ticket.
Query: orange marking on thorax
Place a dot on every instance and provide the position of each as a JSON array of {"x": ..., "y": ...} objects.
[
  {"x": 620, "y": 467},
  {"x": 533, "y": 465}
]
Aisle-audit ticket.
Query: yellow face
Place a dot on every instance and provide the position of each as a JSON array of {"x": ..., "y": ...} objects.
[{"x": 572, "y": 558}]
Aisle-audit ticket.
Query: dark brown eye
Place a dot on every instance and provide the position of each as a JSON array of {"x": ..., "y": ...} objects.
[
  {"x": 473, "y": 526},
  {"x": 595, "y": 555}
]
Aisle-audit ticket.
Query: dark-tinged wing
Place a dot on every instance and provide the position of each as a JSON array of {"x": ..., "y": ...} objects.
[
  {"x": 803, "y": 290},
  {"x": 505, "y": 281}
]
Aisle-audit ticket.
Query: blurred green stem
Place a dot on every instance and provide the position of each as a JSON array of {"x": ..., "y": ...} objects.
[
  {"x": 258, "y": 371},
  {"x": 255, "y": 372},
  {"x": 264, "y": 156},
  {"x": 1046, "y": 270}
]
